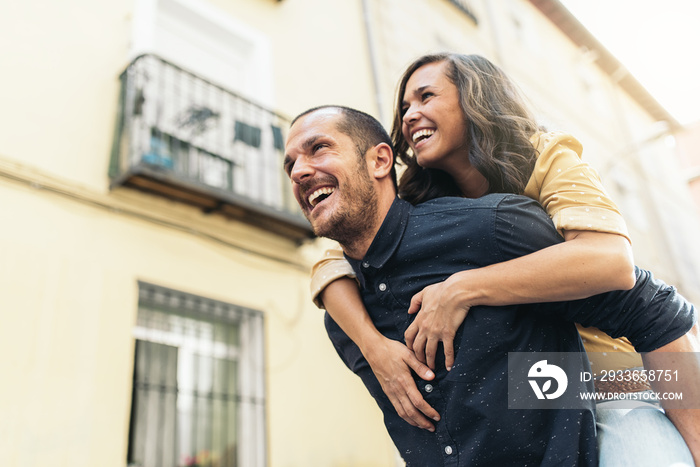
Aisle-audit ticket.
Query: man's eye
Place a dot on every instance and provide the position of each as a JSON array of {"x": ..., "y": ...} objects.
[{"x": 319, "y": 146}]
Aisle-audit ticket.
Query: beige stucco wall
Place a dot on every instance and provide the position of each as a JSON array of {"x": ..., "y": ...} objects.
[{"x": 72, "y": 251}]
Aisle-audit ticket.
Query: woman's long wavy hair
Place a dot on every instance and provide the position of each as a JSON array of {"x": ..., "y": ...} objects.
[{"x": 499, "y": 127}]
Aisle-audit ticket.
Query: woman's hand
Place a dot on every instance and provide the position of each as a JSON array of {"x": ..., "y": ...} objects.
[
  {"x": 392, "y": 362},
  {"x": 441, "y": 310}
]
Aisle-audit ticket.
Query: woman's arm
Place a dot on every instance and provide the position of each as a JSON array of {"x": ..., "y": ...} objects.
[
  {"x": 391, "y": 361},
  {"x": 587, "y": 263},
  {"x": 596, "y": 256}
]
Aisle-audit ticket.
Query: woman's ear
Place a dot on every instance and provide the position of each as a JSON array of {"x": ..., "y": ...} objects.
[{"x": 381, "y": 160}]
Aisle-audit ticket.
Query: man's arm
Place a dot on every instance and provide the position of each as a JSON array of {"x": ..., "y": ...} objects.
[{"x": 651, "y": 315}]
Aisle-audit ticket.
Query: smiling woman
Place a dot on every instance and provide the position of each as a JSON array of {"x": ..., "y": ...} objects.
[{"x": 434, "y": 127}]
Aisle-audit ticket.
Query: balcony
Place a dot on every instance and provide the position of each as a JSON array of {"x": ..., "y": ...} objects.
[{"x": 184, "y": 138}]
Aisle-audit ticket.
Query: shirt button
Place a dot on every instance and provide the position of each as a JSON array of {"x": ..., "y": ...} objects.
[
  {"x": 382, "y": 287},
  {"x": 448, "y": 450},
  {"x": 365, "y": 265},
  {"x": 428, "y": 388}
]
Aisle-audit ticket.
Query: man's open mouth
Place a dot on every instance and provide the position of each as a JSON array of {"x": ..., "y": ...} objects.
[{"x": 319, "y": 195}]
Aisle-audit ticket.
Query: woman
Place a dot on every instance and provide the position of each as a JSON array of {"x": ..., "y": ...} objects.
[{"x": 461, "y": 129}]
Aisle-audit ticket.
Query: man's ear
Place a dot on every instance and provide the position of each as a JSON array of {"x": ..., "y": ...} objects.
[{"x": 381, "y": 160}]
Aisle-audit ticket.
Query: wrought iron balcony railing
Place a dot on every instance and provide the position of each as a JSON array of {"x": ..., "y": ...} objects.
[{"x": 183, "y": 137}]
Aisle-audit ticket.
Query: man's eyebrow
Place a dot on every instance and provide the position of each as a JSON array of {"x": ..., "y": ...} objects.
[
  {"x": 305, "y": 146},
  {"x": 310, "y": 141}
]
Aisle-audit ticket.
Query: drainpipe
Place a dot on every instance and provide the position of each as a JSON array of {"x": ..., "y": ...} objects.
[
  {"x": 495, "y": 37},
  {"x": 373, "y": 60}
]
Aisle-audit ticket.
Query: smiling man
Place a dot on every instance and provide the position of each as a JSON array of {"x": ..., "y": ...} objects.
[
  {"x": 340, "y": 162},
  {"x": 323, "y": 145}
]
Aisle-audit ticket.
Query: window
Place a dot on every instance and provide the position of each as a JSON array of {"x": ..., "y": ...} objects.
[
  {"x": 208, "y": 41},
  {"x": 198, "y": 393}
]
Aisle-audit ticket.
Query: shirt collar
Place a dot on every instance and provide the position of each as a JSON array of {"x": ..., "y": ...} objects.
[{"x": 387, "y": 239}]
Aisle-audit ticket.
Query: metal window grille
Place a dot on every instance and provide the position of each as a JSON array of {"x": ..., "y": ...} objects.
[
  {"x": 198, "y": 395},
  {"x": 182, "y": 136}
]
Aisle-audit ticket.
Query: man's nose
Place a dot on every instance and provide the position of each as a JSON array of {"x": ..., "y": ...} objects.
[{"x": 301, "y": 170}]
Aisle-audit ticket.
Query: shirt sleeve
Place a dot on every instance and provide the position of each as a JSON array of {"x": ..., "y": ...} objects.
[
  {"x": 650, "y": 315},
  {"x": 521, "y": 227},
  {"x": 332, "y": 266},
  {"x": 569, "y": 189}
]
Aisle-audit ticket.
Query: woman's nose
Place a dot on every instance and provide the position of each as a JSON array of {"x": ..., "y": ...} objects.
[{"x": 410, "y": 115}]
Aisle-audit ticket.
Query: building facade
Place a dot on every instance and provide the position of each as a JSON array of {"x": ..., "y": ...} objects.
[{"x": 154, "y": 266}]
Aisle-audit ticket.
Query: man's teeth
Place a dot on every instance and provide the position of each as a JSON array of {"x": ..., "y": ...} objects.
[
  {"x": 422, "y": 134},
  {"x": 318, "y": 193}
]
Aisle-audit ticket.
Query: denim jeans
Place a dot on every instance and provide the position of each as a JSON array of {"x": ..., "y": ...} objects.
[{"x": 638, "y": 434}]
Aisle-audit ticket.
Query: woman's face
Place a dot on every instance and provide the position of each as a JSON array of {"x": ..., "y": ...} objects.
[{"x": 433, "y": 122}]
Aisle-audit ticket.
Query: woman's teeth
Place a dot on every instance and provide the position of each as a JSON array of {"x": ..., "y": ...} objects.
[{"x": 422, "y": 134}]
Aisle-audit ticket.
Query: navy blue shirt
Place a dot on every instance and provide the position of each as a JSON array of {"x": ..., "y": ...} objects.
[{"x": 420, "y": 245}]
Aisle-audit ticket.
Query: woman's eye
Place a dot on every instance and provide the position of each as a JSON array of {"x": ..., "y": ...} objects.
[{"x": 427, "y": 95}]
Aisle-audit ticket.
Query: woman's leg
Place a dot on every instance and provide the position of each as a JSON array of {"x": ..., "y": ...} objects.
[{"x": 638, "y": 434}]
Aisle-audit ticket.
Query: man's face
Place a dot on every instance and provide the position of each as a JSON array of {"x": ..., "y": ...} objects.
[{"x": 330, "y": 180}]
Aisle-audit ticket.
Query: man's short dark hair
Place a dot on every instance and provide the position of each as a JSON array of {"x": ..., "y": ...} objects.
[{"x": 364, "y": 130}]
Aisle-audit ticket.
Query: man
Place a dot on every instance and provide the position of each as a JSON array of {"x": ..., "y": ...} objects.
[{"x": 341, "y": 165}]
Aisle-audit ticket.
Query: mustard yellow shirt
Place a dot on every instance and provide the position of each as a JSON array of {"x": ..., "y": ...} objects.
[{"x": 574, "y": 197}]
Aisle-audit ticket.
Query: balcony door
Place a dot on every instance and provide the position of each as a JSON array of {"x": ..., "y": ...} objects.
[{"x": 207, "y": 41}]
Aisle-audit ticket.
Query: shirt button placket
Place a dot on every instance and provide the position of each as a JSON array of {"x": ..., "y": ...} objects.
[{"x": 450, "y": 456}]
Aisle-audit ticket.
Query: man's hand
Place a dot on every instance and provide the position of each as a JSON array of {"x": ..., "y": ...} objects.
[
  {"x": 392, "y": 362},
  {"x": 441, "y": 314}
]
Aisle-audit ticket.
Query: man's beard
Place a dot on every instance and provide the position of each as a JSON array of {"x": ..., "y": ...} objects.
[{"x": 355, "y": 214}]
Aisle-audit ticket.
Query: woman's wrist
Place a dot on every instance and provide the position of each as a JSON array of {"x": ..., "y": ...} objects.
[{"x": 464, "y": 288}]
